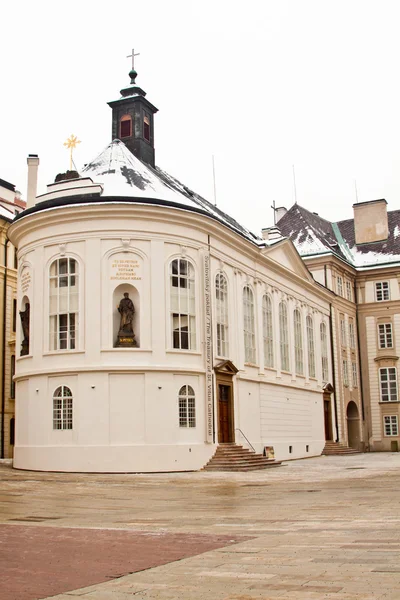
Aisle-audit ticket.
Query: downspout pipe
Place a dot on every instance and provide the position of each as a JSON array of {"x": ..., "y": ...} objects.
[
  {"x": 333, "y": 371},
  {"x": 3, "y": 365}
]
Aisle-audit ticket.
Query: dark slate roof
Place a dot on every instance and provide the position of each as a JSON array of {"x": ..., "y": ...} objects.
[{"x": 313, "y": 235}]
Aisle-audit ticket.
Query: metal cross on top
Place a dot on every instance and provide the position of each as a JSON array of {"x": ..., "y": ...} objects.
[
  {"x": 71, "y": 144},
  {"x": 132, "y": 56}
]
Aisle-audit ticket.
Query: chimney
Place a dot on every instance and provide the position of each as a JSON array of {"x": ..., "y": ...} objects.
[
  {"x": 370, "y": 221},
  {"x": 279, "y": 212},
  {"x": 33, "y": 164}
]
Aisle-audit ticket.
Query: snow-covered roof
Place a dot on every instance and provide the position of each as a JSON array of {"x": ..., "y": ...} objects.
[
  {"x": 312, "y": 235},
  {"x": 124, "y": 175}
]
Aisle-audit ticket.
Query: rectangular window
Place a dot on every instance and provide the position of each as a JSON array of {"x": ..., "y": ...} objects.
[
  {"x": 126, "y": 127},
  {"x": 15, "y": 256},
  {"x": 349, "y": 293},
  {"x": 391, "y": 425},
  {"x": 352, "y": 337},
  {"x": 345, "y": 374},
  {"x": 343, "y": 332},
  {"x": 14, "y": 315},
  {"x": 12, "y": 382},
  {"x": 382, "y": 291},
  {"x": 388, "y": 384},
  {"x": 385, "y": 335},
  {"x": 339, "y": 285},
  {"x": 146, "y": 128},
  {"x": 354, "y": 369}
]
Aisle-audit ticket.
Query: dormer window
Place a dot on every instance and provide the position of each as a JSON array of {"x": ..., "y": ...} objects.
[
  {"x": 126, "y": 126},
  {"x": 146, "y": 128}
]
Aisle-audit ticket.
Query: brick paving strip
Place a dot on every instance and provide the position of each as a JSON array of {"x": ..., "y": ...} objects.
[{"x": 36, "y": 562}]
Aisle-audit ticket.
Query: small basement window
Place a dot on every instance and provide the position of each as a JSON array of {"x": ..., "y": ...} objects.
[{"x": 126, "y": 126}]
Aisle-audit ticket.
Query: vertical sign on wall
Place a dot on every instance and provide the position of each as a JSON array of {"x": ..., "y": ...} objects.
[{"x": 208, "y": 340}]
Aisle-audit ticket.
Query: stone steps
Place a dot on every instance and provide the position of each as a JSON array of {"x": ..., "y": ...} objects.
[
  {"x": 337, "y": 449},
  {"x": 230, "y": 457}
]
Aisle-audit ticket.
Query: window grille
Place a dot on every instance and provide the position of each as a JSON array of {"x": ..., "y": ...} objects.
[
  {"x": 64, "y": 304},
  {"x": 221, "y": 297},
  {"x": 187, "y": 407},
  {"x": 388, "y": 384},
  {"x": 382, "y": 291},
  {"x": 249, "y": 326},
  {"x": 284, "y": 336},
  {"x": 62, "y": 408},
  {"x": 385, "y": 335},
  {"x": 391, "y": 425},
  {"x": 310, "y": 346},
  {"x": 298, "y": 342},
  {"x": 183, "y": 305},
  {"x": 268, "y": 335}
]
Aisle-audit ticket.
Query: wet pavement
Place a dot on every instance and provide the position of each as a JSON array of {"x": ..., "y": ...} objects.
[{"x": 321, "y": 528}]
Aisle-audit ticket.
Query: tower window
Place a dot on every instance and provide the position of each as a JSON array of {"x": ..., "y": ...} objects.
[
  {"x": 126, "y": 126},
  {"x": 146, "y": 128}
]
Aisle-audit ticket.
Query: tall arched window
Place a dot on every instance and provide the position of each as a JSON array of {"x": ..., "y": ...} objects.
[
  {"x": 187, "y": 407},
  {"x": 284, "y": 336},
  {"x": 298, "y": 342},
  {"x": 249, "y": 327},
  {"x": 268, "y": 335},
  {"x": 183, "y": 304},
  {"x": 64, "y": 304},
  {"x": 62, "y": 408},
  {"x": 221, "y": 298},
  {"x": 310, "y": 346},
  {"x": 324, "y": 352}
]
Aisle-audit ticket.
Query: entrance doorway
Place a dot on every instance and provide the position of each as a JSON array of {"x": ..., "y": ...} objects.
[
  {"x": 225, "y": 413},
  {"x": 328, "y": 417},
  {"x": 353, "y": 426}
]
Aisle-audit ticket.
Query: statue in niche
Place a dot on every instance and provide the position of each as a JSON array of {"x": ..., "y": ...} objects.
[
  {"x": 126, "y": 336},
  {"x": 24, "y": 316}
]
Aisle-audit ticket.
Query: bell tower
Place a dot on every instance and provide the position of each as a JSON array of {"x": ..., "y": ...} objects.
[{"x": 133, "y": 120}]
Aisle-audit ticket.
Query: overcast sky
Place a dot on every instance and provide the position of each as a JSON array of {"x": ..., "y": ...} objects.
[{"x": 260, "y": 84}]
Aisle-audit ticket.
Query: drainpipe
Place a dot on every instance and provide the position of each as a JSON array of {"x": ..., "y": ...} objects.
[
  {"x": 3, "y": 365},
  {"x": 359, "y": 357},
  {"x": 333, "y": 371}
]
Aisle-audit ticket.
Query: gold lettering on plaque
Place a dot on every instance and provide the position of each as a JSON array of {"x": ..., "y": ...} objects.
[
  {"x": 25, "y": 282},
  {"x": 125, "y": 269}
]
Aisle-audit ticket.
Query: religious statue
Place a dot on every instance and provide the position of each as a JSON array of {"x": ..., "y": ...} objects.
[
  {"x": 126, "y": 309},
  {"x": 24, "y": 316}
]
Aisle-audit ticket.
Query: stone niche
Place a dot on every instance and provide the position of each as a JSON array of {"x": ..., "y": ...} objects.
[{"x": 118, "y": 295}]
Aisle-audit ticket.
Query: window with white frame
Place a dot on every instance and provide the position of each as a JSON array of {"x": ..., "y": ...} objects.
[
  {"x": 249, "y": 326},
  {"x": 268, "y": 335},
  {"x": 385, "y": 335},
  {"x": 355, "y": 378},
  {"x": 343, "y": 340},
  {"x": 345, "y": 373},
  {"x": 339, "y": 281},
  {"x": 352, "y": 336},
  {"x": 391, "y": 425},
  {"x": 183, "y": 304},
  {"x": 382, "y": 291},
  {"x": 324, "y": 352},
  {"x": 349, "y": 293},
  {"x": 62, "y": 408},
  {"x": 298, "y": 342},
  {"x": 310, "y": 345},
  {"x": 221, "y": 308},
  {"x": 187, "y": 407},
  {"x": 388, "y": 384},
  {"x": 284, "y": 336},
  {"x": 64, "y": 304}
]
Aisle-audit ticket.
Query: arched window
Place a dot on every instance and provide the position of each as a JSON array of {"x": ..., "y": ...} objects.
[
  {"x": 64, "y": 304},
  {"x": 324, "y": 352},
  {"x": 221, "y": 298},
  {"x": 125, "y": 126},
  {"x": 310, "y": 346},
  {"x": 284, "y": 336},
  {"x": 187, "y": 407},
  {"x": 183, "y": 304},
  {"x": 249, "y": 326},
  {"x": 298, "y": 342},
  {"x": 268, "y": 332},
  {"x": 62, "y": 408}
]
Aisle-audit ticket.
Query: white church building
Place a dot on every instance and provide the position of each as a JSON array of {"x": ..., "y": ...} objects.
[{"x": 154, "y": 327}]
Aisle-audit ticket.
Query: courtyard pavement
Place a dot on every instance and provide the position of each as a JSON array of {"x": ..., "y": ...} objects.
[{"x": 321, "y": 528}]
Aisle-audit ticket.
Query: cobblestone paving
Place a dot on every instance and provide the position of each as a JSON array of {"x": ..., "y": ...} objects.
[{"x": 322, "y": 528}]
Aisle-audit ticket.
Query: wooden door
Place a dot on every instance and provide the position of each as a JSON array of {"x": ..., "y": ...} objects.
[
  {"x": 327, "y": 419},
  {"x": 225, "y": 414}
]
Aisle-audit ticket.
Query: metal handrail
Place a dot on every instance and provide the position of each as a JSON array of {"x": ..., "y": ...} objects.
[{"x": 252, "y": 447}]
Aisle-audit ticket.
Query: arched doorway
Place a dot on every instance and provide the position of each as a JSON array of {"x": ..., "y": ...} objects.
[
  {"x": 328, "y": 389},
  {"x": 353, "y": 425},
  {"x": 224, "y": 373}
]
